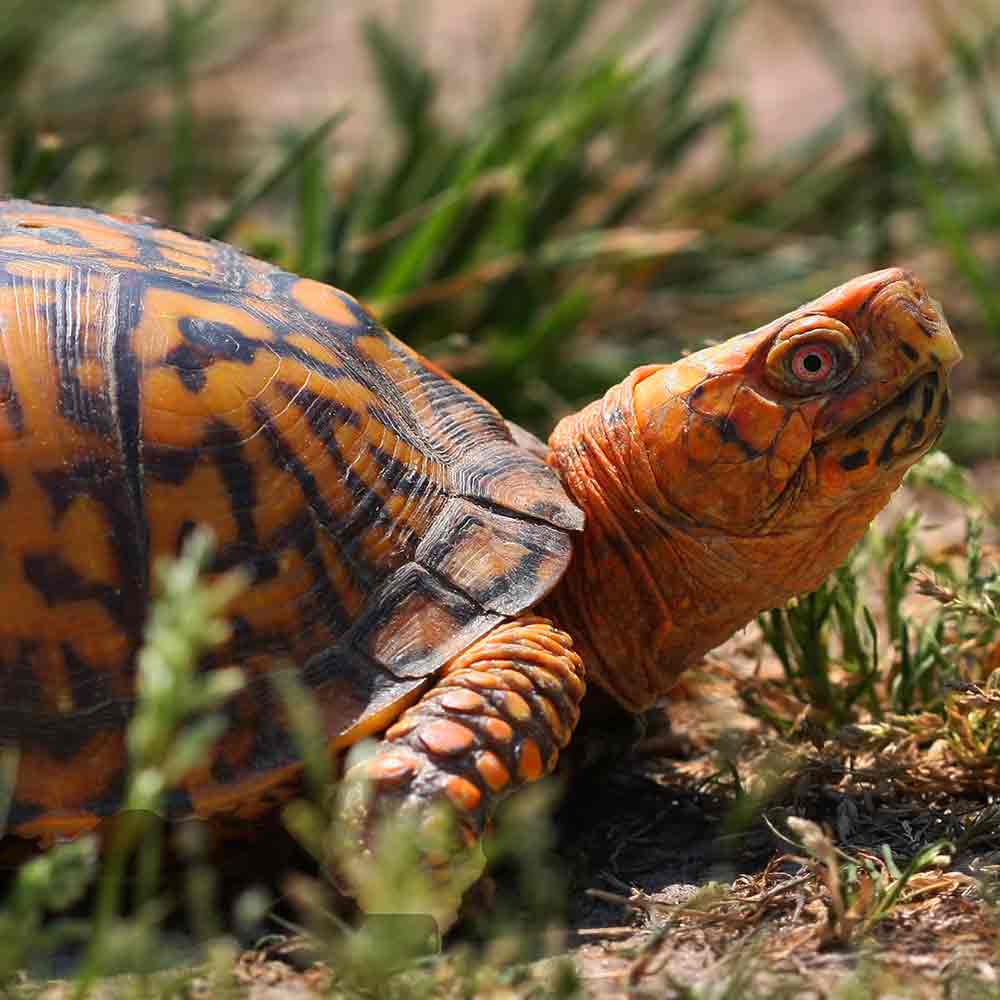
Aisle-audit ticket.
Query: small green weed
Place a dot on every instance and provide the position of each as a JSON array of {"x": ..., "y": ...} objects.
[
  {"x": 838, "y": 661},
  {"x": 861, "y": 890}
]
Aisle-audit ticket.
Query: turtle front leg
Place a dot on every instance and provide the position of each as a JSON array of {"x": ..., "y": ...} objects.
[{"x": 496, "y": 720}]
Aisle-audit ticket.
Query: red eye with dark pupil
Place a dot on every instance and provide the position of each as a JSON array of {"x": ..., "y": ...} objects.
[{"x": 814, "y": 363}]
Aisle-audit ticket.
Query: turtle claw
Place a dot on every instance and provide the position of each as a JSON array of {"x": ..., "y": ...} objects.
[{"x": 396, "y": 853}]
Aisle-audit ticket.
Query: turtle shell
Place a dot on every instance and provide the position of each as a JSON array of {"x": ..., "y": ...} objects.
[{"x": 150, "y": 382}]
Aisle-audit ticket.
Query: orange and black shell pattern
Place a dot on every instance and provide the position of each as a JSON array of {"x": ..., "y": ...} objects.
[{"x": 150, "y": 382}]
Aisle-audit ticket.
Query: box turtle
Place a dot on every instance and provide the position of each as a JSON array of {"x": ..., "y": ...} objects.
[{"x": 440, "y": 579}]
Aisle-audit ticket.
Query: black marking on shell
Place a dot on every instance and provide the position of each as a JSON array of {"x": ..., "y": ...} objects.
[
  {"x": 89, "y": 409},
  {"x": 62, "y": 736},
  {"x": 168, "y": 465},
  {"x": 190, "y": 366},
  {"x": 55, "y": 234},
  {"x": 300, "y": 533},
  {"x": 390, "y": 631},
  {"x": 285, "y": 457},
  {"x": 19, "y": 684},
  {"x": 103, "y": 481},
  {"x": 260, "y": 564},
  {"x": 134, "y": 547},
  {"x": 305, "y": 399},
  {"x": 909, "y": 350},
  {"x": 392, "y": 418},
  {"x": 90, "y": 687},
  {"x": 403, "y": 477},
  {"x": 84, "y": 479},
  {"x": 9, "y": 401},
  {"x": 323, "y": 416},
  {"x": 223, "y": 444},
  {"x": 215, "y": 341},
  {"x": 59, "y": 583}
]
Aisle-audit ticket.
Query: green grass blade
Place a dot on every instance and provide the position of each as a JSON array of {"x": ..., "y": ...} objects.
[
  {"x": 258, "y": 188},
  {"x": 408, "y": 88},
  {"x": 414, "y": 258},
  {"x": 180, "y": 177},
  {"x": 314, "y": 215}
]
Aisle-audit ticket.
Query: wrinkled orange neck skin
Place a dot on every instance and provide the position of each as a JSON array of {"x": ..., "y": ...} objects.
[
  {"x": 646, "y": 594},
  {"x": 711, "y": 494}
]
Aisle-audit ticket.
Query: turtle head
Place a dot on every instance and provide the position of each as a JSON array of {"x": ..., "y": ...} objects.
[
  {"x": 813, "y": 417},
  {"x": 739, "y": 476}
]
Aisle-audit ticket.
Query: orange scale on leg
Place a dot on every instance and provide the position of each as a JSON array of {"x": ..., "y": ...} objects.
[
  {"x": 462, "y": 700},
  {"x": 402, "y": 728},
  {"x": 498, "y": 730},
  {"x": 516, "y": 680},
  {"x": 493, "y": 771},
  {"x": 529, "y": 761},
  {"x": 481, "y": 679},
  {"x": 517, "y": 707},
  {"x": 463, "y": 794},
  {"x": 446, "y": 737},
  {"x": 559, "y": 730},
  {"x": 392, "y": 768}
]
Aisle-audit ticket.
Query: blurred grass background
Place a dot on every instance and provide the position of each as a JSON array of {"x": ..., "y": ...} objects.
[{"x": 540, "y": 194}]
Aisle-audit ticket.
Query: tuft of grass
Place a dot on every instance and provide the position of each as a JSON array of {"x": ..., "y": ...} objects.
[
  {"x": 836, "y": 660},
  {"x": 861, "y": 891}
]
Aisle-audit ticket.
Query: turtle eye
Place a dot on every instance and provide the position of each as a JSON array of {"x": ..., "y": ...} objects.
[
  {"x": 812, "y": 355},
  {"x": 812, "y": 363}
]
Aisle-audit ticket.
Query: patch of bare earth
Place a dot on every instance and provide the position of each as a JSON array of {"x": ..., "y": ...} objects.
[{"x": 695, "y": 878}]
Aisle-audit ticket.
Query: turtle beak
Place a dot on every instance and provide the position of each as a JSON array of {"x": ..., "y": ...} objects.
[
  {"x": 909, "y": 352},
  {"x": 901, "y": 308},
  {"x": 894, "y": 407}
]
